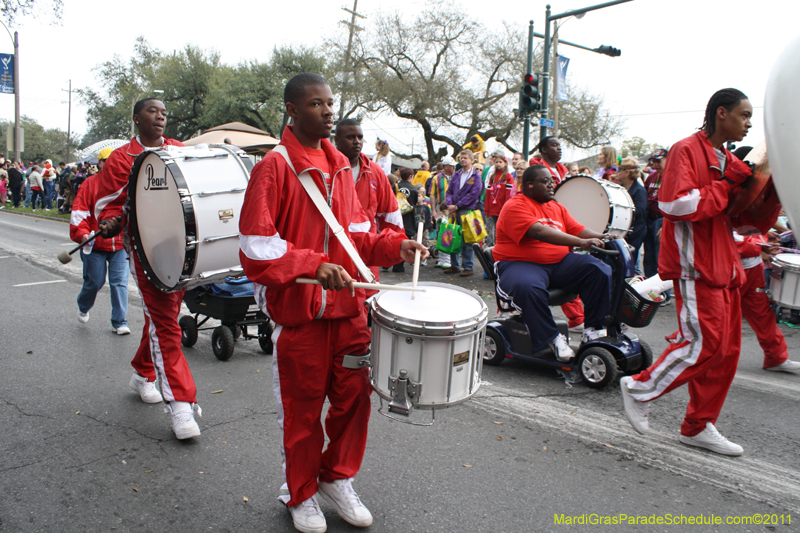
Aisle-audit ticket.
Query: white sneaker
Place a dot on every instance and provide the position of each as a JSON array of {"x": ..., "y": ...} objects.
[
  {"x": 793, "y": 367},
  {"x": 710, "y": 439},
  {"x": 590, "y": 334},
  {"x": 562, "y": 350},
  {"x": 146, "y": 389},
  {"x": 123, "y": 330},
  {"x": 635, "y": 411},
  {"x": 576, "y": 329},
  {"x": 344, "y": 499},
  {"x": 83, "y": 318},
  {"x": 308, "y": 517},
  {"x": 183, "y": 423}
]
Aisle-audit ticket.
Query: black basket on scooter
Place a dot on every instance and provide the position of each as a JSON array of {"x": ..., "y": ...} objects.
[{"x": 634, "y": 309}]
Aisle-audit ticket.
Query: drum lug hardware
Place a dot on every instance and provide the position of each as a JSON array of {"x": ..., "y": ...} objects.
[
  {"x": 403, "y": 390},
  {"x": 356, "y": 362},
  {"x": 409, "y": 340}
]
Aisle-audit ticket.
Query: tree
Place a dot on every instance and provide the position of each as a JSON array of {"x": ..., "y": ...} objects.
[
  {"x": 10, "y": 10},
  {"x": 443, "y": 73},
  {"x": 40, "y": 143},
  {"x": 252, "y": 92},
  {"x": 638, "y": 147}
]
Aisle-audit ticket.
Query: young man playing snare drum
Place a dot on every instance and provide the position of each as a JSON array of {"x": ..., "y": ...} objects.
[{"x": 284, "y": 237}]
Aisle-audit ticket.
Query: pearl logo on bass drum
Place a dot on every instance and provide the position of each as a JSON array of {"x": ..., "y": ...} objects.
[{"x": 152, "y": 182}]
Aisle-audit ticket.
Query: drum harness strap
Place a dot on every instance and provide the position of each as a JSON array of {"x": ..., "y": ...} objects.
[{"x": 350, "y": 361}]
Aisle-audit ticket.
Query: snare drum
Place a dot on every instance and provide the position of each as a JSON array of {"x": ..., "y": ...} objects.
[
  {"x": 184, "y": 213},
  {"x": 599, "y": 205},
  {"x": 426, "y": 352},
  {"x": 784, "y": 284}
]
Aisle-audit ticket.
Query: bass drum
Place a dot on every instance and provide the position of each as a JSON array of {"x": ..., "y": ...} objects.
[
  {"x": 599, "y": 205},
  {"x": 184, "y": 206}
]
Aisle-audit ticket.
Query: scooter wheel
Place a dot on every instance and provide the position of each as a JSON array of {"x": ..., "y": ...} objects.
[
  {"x": 494, "y": 349},
  {"x": 647, "y": 358},
  {"x": 598, "y": 367}
]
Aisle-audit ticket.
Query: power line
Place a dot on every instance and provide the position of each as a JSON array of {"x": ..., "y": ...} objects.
[{"x": 670, "y": 112}]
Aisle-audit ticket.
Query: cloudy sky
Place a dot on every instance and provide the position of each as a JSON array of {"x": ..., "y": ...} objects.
[{"x": 675, "y": 53}]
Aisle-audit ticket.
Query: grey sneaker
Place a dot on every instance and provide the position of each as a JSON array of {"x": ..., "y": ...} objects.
[
  {"x": 344, "y": 499},
  {"x": 710, "y": 439},
  {"x": 635, "y": 411},
  {"x": 122, "y": 330},
  {"x": 83, "y": 318},
  {"x": 561, "y": 348}
]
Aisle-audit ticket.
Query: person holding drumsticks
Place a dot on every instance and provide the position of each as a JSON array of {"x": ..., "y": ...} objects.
[
  {"x": 698, "y": 252},
  {"x": 532, "y": 251},
  {"x": 159, "y": 354},
  {"x": 283, "y": 237}
]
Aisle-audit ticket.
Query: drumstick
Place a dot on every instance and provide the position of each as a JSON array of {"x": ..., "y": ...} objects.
[
  {"x": 415, "y": 276},
  {"x": 361, "y": 285}
]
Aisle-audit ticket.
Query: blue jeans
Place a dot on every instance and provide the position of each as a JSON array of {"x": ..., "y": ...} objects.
[
  {"x": 651, "y": 245},
  {"x": 27, "y": 193},
  {"x": 467, "y": 255},
  {"x": 47, "y": 202},
  {"x": 94, "y": 277}
]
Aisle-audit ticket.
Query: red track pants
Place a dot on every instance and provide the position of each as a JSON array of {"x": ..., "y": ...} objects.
[
  {"x": 307, "y": 368},
  {"x": 574, "y": 312},
  {"x": 710, "y": 323},
  {"x": 756, "y": 309},
  {"x": 161, "y": 340}
]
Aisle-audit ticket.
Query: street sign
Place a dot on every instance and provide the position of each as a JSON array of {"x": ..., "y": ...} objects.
[{"x": 547, "y": 123}]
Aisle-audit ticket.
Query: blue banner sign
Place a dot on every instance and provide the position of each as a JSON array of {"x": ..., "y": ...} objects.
[{"x": 7, "y": 73}]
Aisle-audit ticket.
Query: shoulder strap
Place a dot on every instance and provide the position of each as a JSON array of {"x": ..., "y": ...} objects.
[{"x": 322, "y": 206}]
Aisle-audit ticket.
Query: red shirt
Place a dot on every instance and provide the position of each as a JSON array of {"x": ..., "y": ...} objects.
[
  {"x": 558, "y": 173},
  {"x": 517, "y": 216},
  {"x": 320, "y": 162}
]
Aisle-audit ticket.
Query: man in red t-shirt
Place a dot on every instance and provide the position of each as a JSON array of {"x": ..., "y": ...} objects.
[{"x": 533, "y": 253}]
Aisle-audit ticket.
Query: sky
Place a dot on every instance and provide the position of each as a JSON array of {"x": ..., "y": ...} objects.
[{"x": 675, "y": 53}]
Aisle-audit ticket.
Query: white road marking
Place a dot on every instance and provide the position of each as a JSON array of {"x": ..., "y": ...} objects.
[
  {"x": 5, "y": 256},
  {"x": 41, "y": 283},
  {"x": 754, "y": 478},
  {"x": 774, "y": 385}
]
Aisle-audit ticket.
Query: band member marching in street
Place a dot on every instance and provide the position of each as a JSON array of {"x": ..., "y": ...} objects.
[
  {"x": 283, "y": 237},
  {"x": 698, "y": 252},
  {"x": 159, "y": 354}
]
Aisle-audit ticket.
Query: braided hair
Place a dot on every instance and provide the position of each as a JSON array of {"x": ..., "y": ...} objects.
[{"x": 727, "y": 98}]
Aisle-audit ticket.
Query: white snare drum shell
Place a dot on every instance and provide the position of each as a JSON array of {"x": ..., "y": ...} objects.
[{"x": 784, "y": 285}]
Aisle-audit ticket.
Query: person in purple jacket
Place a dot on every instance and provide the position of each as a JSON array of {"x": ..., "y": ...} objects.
[{"x": 462, "y": 197}]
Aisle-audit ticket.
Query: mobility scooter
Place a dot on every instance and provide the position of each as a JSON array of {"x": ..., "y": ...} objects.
[{"x": 598, "y": 362}]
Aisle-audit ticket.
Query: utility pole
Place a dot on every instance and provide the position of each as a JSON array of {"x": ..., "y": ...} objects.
[
  {"x": 69, "y": 118},
  {"x": 526, "y": 130},
  {"x": 346, "y": 73}
]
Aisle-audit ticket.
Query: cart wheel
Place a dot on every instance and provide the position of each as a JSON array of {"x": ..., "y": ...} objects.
[
  {"x": 647, "y": 358},
  {"x": 236, "y": 330},
  {"x": 188, "y": 326},
  {"x": 598, "y": 367},
  {"x": 494, "y": 349},
  {"x": 222, "y": 342},
  {"x": 265, "y": 337}
]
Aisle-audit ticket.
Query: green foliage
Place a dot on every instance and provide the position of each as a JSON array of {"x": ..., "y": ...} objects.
[
  {"x": 40, "y": 143},
  {"x": 638, "y": 147},
  {"x": 10, "y": 10}
]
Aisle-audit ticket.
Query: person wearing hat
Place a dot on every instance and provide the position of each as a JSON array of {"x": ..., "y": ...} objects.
[
  {"x": 477, "y": 146},
  {"x": 654, "y": 217},
  {"x": 439, "y": 186},
  {"x": 100, "y": 257}
]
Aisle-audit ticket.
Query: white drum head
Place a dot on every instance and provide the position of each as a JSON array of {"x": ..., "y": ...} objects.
[
  {"x": 788, "y": 261},
  {"x": 159, "y": 221},
  {"x": 586, "y": 201},
  {"x": 437, "y": 304}
]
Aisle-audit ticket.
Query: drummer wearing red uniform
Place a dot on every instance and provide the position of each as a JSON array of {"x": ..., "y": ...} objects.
[
  {"x": 284, "y": 237},
  {"x": 698, "y": 252},
  {"x": 372, "y": 186},
  {"x": 161, "y": 337},
  {"x": 532, "y": 254}
]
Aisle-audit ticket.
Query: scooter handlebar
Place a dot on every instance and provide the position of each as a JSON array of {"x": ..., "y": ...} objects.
[{"x": 604, "y": 251}]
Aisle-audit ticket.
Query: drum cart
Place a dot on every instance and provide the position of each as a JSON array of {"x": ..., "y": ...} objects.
[
  {"x": 598, "y": 362},
  {"x": 237, "y": 314}
]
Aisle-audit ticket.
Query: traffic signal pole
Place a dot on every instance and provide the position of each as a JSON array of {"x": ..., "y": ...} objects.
[
  {"x": 526, "y": 136},
  {"x": 606, "y": 50}
]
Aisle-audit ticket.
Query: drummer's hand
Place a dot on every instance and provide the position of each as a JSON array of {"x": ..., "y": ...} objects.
[
  {"x": 334, "y": 278},
  {"x": 407, "y": 249},
  {"x": 110, "y": 227},
  {"x": 586, "y": 243},
  {"x": 85, "y": 237},
  {"x": 737, "y": 172}
]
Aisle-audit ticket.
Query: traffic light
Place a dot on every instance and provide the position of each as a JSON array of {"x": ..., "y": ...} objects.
[
  {"x": 529, "y": 96},
  {"x": 608, "y": 50}
]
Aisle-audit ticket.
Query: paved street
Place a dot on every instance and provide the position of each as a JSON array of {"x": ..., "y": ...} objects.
[{"x": 79, "y": 451}]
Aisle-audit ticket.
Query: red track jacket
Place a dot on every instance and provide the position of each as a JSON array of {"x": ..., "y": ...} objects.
[
  {"x": 377, "y": 198},
  {"x": 83, "y": 221},
  {"x": 283, "y": 237}
]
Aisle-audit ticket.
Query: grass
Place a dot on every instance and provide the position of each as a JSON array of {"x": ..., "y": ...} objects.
[{"x": 53, "y": 213}]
